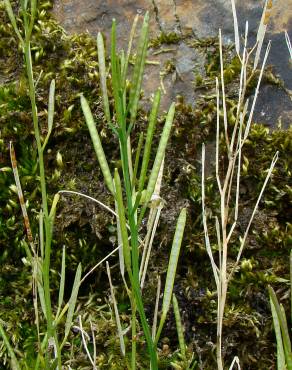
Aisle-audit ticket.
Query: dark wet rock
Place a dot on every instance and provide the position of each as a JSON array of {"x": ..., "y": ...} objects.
[{"x": 189, "y": 18}]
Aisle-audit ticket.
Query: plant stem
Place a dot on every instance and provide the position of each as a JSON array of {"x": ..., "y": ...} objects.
[
  {"x": 48, "y": 226},
  {"x": 134, "y": 244},
  {"x": 134, "y": 333}
]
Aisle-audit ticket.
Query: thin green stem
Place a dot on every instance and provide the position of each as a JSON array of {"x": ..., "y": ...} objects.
[{"x": 134, "y": 334}]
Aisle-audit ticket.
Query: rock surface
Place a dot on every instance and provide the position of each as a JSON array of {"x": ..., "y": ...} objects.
[{"x": 196, "y": 19}]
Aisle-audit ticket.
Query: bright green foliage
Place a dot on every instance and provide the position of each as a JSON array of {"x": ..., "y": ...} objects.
[
  {"x": 284, "y": 350},
  {"x": 122, "y": 120}
]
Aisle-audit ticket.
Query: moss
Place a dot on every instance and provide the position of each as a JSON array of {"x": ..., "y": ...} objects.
[
  {"x": 165, "y": 38},
  {"x": 87, "y": 231}
]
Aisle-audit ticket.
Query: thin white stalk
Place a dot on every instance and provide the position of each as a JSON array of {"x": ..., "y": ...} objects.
[
  {"x": 150, "y": 245},
  {"x": 235, "y": 24},
  {"x": 154, "y": 326},
  {"x": 217, "y": 135},
  {"x": 260, "y": 36},
  {"x": 207, "y": 240},
  {"x": 99, "y": 263},
  {"x": 235, "y": 361},
  {"x": 146, "y": 240},
  {"x": 94, "y": 200},
  {"x": 223, "y": 89},
  {"x": 288, "y": 42},
  {"x": 242, "y": 244},
  {"x": 217, "y": 225},
  {"x": 90, "y": 198},
  {"x": 85, "y": 343},
  {"x": 93, "y": 342},
  {"x": 256, "y": 92},
  {"x": 155, "y": 210},
  {"x": 117, "y": 316},
  {"x": 242, "y": 86}
]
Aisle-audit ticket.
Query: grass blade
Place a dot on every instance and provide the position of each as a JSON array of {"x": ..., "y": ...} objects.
[
  {"x": 14, "y": 363},
  {"x": 283, "y": 325},
  {"x": 280, "y": 348},
  {"x": 126, "y": 62},
  {"x": 72, "y": 303},
  {"x": 138, "y": 71},
  {"x": 160, "y": 152},
  {"x": 117, "y": 316},
  {"x": 149, "y": 137},
  {"x": 13, "y": 20},
  {"x": 116, "y": 80},
  {"x": 137, "y": 158},
  {"x": 171, "y": 270},
  {"x": 62, "y": 283},
  {"x": 261, "y": 34},
  {"x": 291, "y": 284},
  {"x": 97, "y": 144},
  {"x": 236, "y": 33},
  {"x": 179, "y": 328}
]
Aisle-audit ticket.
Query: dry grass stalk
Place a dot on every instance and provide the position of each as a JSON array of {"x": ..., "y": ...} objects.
[{"x": 229, "y": 182}]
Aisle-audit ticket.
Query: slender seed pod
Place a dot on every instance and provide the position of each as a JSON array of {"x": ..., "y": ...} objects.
[
  {"x": 160, "y": 152},
  {"x": 138, "y": 70},
  {"x": 102, "y": 74},
  {"x": 172, "y": 265},
  {"x": 149, "y": 137},
  {"x": 171, "y": 270},
  {"x": 179, "y": 327},
  {"x": 97, "y": 144}
]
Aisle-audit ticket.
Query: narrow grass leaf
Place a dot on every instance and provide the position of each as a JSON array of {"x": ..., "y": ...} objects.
[
  {"x": 42, "y": 298},
  {"x": 137, "y": 158},
  {"x": 160, "y": 152},
  {"x": 62, "y": 282},
  {"x": 149, "y": 138},
  {"x": 138, "y": 70},
  {"x": 126, "y": 62},
  {"x": 280, "y": 348},
  {"x": 72, "y": 301},
  {"x": 284, "y": 328},
  {"x": 14, "y": 363},
  {"x": 179, "y": 328},
  {"x": 236, "y": 33},
  {"x": 116, "y": 79},
  {"x": 13, "y": 19},
  {"x": 117, "y": 316},
  {"x": 21, "y": 198},
  {"x": 261, "y": 35},
  {"x": 291, "y": 284},
  {"x": 173, "y": 260},
  {"x": 171, "y": 270},
  {"x": 102, "y": 76},
  {"x": 97, "y": 144},
  {"x": 154, "y": 325}
]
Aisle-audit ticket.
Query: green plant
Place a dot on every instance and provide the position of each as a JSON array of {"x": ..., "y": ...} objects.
[
  {"x": 39, "y": 254},
  {"x": 121, "y": 117},
  {"x": 234, "y": 136},
  {"x": 284, "y": 350}
]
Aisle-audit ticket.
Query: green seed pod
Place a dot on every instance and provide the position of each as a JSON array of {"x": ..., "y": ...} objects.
[
  {"x": 160, "y": 152},
  {"x": 97, "y": 144}
]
